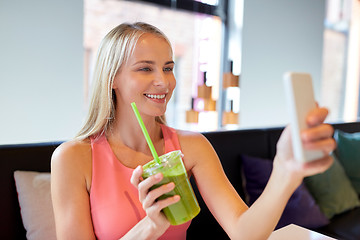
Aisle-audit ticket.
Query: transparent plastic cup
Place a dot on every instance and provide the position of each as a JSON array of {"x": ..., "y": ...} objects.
[{"x": 173, "y": 170}]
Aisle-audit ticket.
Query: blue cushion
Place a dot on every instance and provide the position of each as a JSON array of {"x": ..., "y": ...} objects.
[{"x": 301, "y": 208}]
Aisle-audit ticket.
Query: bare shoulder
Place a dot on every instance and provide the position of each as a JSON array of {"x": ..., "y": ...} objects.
[
  {"x": 71, "y": 164},
  {"x": 72, "y": 149},
  {"x": 196, "y": 148},
  {"x": 73, "y": 153},
  {"x": 192, "y": 139}
]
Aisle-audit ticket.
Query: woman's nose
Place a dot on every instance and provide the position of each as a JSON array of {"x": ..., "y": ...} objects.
[{"x": 161, "y": 79}]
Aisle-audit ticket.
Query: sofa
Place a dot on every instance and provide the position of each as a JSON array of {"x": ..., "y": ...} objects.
[{"x": 231, "y": 146}]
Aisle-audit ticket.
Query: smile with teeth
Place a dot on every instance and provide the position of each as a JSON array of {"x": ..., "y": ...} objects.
[{"x": 154, "y": 96}]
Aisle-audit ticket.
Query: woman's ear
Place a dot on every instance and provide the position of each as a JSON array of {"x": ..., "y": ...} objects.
[{"x": 115, "y": 81}]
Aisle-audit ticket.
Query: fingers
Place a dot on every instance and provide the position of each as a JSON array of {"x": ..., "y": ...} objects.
[
  {"x": 150, "y": 198},
  {"x": 136, "y": 175},
  {"x": 316, "y": 116},
  {"x": 154, "y": 210},
  {"x": 319, "y": 132},
  {"x": 144, "y": 186},
  {"x": 327, "y": 146},
  {"x": 318, "y": 166},
  {"x": 319, "y": 135},
  {"x": 319, "y": 138},
  {"x": 153, "y": 207}
]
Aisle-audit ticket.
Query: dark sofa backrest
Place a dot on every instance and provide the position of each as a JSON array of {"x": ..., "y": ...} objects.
[
  {"x": 228, "y": 144},
  {"x": 29, "y": 157}
]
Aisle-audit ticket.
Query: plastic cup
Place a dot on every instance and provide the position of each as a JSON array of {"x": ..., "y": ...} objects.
[{"x": 173, "y": 170}]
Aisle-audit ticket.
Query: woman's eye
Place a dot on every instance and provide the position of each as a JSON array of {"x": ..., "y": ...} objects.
[
  {"x": 168, "y": 69},
  {"x": 145, "y": 69}
]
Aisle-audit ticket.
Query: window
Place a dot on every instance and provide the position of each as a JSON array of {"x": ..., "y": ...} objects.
[
  {"x": 340, "y": 87},
  {"x": 195, "y": 29}
]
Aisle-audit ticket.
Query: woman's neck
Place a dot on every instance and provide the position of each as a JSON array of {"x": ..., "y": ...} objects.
[{"x": 125, "y": 130}]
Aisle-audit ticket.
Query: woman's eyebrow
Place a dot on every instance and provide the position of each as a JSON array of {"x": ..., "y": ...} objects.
[
  {"x": 144, "y": 61},
  {"x": 152, "y": 62}
]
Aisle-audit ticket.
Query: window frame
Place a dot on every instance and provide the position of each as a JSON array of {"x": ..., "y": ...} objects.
[{"x": 219, "y": 10}]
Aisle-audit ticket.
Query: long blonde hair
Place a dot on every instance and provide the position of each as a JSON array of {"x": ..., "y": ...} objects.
[{"x": 114, "y": 50}]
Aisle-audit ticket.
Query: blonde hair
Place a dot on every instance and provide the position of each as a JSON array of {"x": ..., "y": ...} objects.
[{"x": 114, "y": 50}]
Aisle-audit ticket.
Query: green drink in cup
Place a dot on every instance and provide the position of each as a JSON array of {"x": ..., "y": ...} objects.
[{"x": 173, "y": 170}]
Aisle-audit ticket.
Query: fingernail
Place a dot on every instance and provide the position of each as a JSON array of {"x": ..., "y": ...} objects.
[
  {"x": 158, "y": 176},
  {"x": 176, "y": 197},
  {"x": 171, "y": 185}
]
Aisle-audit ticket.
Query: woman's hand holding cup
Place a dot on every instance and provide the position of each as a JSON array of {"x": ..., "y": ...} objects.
[{"x": 148, "y": 198}]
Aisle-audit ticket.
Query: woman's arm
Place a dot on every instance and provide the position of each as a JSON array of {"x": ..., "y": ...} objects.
[
  {"x": 260, "y": 219},
  {"x": 70, "y": 176}
]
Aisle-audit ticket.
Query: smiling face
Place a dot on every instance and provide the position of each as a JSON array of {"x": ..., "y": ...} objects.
[{"x": 147, "y": 77}]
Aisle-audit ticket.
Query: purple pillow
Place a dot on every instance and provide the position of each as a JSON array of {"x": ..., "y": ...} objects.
[{"x": 301, "y": 209}]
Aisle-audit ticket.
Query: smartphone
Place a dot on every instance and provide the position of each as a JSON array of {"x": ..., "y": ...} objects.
[{"x": 300, "y": 101}]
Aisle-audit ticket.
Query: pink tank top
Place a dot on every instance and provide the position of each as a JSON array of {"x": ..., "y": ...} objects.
[{"x": 114, "y": 201}]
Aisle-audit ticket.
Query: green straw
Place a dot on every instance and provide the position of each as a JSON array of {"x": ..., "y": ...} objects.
[{"x": 145, "y": 132}]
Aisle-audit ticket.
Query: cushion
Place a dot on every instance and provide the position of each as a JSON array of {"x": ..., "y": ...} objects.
[
  {"x": 348, "y": 153},
  {"x": 301, "y": 208},
  {"x": 35, "y": 204},
  {"x": 332, "y": 190}
]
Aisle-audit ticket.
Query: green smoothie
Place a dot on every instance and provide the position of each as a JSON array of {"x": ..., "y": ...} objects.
[{"x": 174, "y": 171}]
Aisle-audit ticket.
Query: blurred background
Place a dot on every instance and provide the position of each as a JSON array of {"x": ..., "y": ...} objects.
[{"x": 230, "y": 58}]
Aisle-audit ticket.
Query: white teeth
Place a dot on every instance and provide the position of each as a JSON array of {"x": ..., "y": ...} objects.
[{"x": 155, "y": 96}]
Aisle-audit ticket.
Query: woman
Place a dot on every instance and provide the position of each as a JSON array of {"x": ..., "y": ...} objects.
[{"x": 91, "y": 190}]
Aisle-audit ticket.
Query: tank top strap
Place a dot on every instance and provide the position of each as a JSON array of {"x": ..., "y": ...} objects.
[{"x": 171, "y": 139}]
